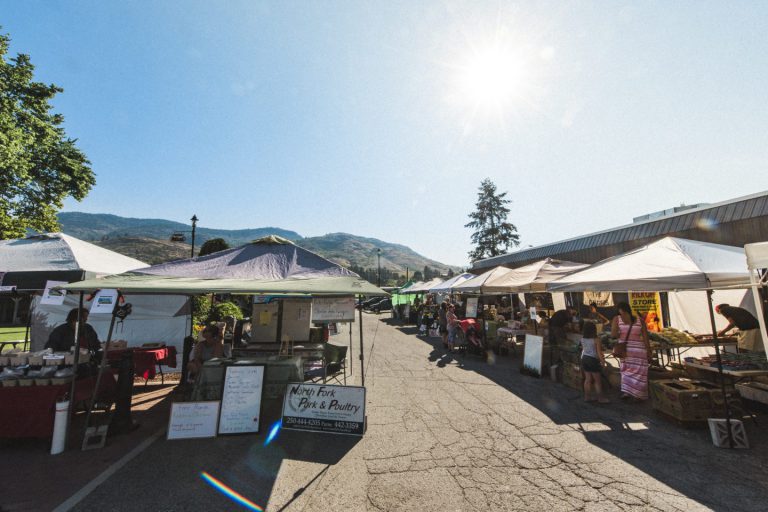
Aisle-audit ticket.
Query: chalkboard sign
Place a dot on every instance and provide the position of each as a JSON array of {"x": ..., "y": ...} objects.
[
  {"x": 191, "y": 420},
  {"x": 241, "y": 399}
]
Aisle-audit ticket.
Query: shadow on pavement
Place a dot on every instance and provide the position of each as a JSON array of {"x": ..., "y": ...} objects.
[
  {"x": 683, "y": 458},
  {"x": 240, "y": 462}
]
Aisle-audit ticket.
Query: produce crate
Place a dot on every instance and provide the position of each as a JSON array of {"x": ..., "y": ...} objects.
[
  {"x": 756, "y": 391},
  {"x": 572, "y": 376},
  {"x": 688, "y": 401}
]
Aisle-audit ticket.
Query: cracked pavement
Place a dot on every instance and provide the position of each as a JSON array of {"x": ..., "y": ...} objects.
[{"x": 456, "y": 433}]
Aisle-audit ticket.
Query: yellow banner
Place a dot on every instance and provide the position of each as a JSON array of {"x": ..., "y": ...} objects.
[{"x": 647, "y": 305}]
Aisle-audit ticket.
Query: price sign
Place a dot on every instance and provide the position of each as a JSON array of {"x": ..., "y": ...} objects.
[
  {"x": 241, "y": 400},
  {"x": 191, "y": 420}
]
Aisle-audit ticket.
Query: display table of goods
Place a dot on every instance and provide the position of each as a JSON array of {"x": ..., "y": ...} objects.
[
  {"x": 147, "y": 358},
  {"x": 738, "y": 363},
  {"x": 32, "y": 383},
  {"x": 672, "y": 343}
]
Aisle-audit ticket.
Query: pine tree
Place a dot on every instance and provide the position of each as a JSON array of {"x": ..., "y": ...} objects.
[{"x": 493, "y": 233}]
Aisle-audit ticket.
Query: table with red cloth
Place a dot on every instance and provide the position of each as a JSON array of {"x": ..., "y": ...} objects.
[
  {"x": 147, "y": 359},
  {"x": 28, "y": 411}
]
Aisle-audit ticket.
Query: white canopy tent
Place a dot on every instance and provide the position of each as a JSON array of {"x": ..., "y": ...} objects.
[
  {"x": 757, "y": 263},
  {"x": 28, "y": 263},
  {"x": 447, "y": 286},
  {"x": 483, "y": 283},
  {"x": 532, "y": 278},
  {"x": 423, "y": 287},
  {"x": 666, "y": 265}
]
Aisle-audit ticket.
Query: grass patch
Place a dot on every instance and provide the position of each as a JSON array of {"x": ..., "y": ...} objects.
[{"x": 11, "y": 334}]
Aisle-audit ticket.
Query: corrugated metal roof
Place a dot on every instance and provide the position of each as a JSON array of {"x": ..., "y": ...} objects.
[{"x": 742, "y": 208}]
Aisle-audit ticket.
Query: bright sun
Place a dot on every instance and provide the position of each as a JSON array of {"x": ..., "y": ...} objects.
[{"x": 493, "y": 78}]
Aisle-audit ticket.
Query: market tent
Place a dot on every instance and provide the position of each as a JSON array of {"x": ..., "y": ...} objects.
[
  {"x": 447, "y": 286},
  {"x": 270, "y": 265},
  {"x": 28, "y": 263},
  {"x": 757, "y": 263},
  {"x": 271, "y": 258},
  {"x": 532, "y": 278},
  {"x": 480, "y": 284},
  {"x": 666, "y": 265},
  {"x": 424, "y": 287}
]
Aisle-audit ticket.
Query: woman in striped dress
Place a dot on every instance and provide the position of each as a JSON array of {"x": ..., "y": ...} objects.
[{"x": 627, "y": 328}]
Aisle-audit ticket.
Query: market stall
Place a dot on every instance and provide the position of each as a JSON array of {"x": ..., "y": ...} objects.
[{"x": 667, "y": 265}]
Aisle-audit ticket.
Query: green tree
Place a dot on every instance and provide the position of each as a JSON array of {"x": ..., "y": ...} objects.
[
  {"x": 493, "y": 233},
  {"x": 221, "y": 310},
  {"x": 39, "y": 165},
  {"x": 213, "y": 245}
]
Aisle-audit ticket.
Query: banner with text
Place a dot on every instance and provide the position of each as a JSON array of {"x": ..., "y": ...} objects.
[
  {"x": 647, "y": 304},
  {"x": 324, "y": 408}
]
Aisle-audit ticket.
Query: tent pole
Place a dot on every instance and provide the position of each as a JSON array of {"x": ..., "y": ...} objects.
[
  {"x": 30, "y": 311},
  {"x": 758, "y": 304},
  {"x": 102, "y": 365},
  {"x": 720, "y": 368},
  {"x": 350, "y": 346},
  {"x": 362, "y": 366},
  {"x": 75, "y": 364}
]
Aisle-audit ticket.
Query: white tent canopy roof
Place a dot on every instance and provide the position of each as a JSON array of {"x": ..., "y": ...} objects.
[
  {"x": 28, "y": 263},
  {"x": 757, "y": 255},
  {"x": 447, "y": 286},
  {"x": 665, "y": 265},
  {"x": 533, "y": 277},
  {"x": 55, "y": 252},
  {"x": 424, "y": 287},
  {"x": 483, "y": 282}
]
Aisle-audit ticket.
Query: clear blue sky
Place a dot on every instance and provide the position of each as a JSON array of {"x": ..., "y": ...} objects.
[{"x": 381, "y": 118}]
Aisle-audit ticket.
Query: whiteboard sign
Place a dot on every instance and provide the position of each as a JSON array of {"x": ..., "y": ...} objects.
[
  {"x": 241, "y": 400},
  {"x": 324, "y": 408},
  {"x": 53, "y": 297},
  {"x": 329, "y": 309},
  {"x": 471, "y": 311},
  {"x": 104, "y": 302},
  {"x": 534, "y": 349},
  {"x": 191, "y": 420}
]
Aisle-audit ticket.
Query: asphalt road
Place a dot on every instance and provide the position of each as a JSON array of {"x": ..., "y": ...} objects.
[{"x": 452, "y": 434}]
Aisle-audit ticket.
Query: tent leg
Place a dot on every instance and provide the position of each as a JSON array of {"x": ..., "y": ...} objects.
[
  {"x": 75, "y": 364},
  {"x": 720, "y": 368},
  {"x": 27, "y": 340},
  {"x": 350, "y": 348},
  {"x": 362, "y": 366}
]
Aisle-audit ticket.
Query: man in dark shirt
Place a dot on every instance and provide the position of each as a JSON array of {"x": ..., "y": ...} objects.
[
  {"x": 558, "y": 322},
  {"x": 749, "y": 338},
  {"x": 62, "y": 338}
]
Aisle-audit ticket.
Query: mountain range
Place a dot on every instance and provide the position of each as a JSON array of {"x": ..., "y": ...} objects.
[{"x": 149, "y": 240}]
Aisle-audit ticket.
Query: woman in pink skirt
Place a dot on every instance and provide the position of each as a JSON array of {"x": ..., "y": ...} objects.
[{"x": 627, "y": 328}]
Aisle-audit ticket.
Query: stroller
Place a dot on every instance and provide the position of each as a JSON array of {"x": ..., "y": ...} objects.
[{"x": 468, "y": 338}]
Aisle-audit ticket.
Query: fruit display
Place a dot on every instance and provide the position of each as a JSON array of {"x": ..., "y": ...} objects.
[{"x": 672, "y": 336}]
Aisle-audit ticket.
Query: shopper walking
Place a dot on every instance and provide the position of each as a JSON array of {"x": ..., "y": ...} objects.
[
  {"x": 442, "y": 322},
  {"x": 453, "y": 324},
  {"x": 631, "y": 331}
]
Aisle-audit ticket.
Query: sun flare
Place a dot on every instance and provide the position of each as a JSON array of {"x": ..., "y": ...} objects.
[{"x": 493, "y": 78}]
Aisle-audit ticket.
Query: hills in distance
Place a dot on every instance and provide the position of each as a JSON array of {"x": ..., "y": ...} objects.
[{"x": 148, "y": 240}]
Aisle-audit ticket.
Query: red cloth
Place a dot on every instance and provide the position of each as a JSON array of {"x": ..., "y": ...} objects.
[
  {"x": 145, "y": 359},
  {"x": 28, "y": 411},
  {"x": 467, "y": 323}
]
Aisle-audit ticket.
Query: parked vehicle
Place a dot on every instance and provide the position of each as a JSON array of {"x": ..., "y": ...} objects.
[
  {"x": 366, "y": 303},
  {"x": 383, "y": 305}
]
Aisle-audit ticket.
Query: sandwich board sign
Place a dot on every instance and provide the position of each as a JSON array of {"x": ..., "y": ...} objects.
[
  {"x": 324, "y": 408},
  {"x": 193, "y": 420},
  {"x": 241, "y": 400}
]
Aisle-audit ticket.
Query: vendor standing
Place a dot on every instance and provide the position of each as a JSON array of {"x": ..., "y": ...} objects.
[
  {"x": 749, "y": 328},
  {"x": 62, "y": 338},
  {"x": 558, "y": 322}
]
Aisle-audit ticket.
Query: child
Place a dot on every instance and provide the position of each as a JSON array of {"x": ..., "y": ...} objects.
[{"x": 592, "y": 361}]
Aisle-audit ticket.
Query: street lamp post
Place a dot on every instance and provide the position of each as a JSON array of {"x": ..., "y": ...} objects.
[
  {"x": 378, "y": 258},
  {"x": 194, "y": 225}
]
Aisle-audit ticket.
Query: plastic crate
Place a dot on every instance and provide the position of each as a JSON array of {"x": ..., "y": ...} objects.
[{"x": 756, "y": 391}]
